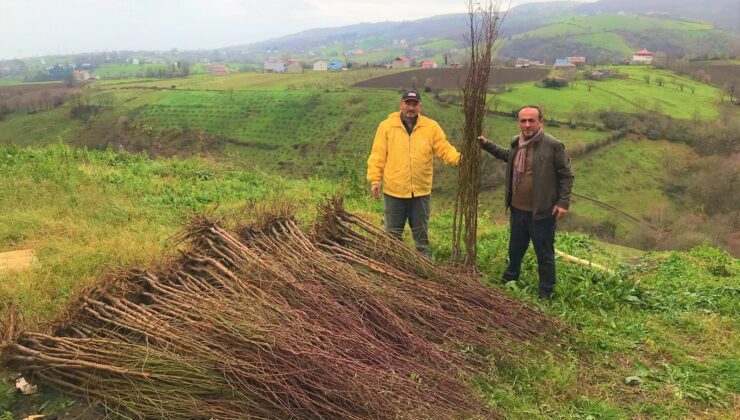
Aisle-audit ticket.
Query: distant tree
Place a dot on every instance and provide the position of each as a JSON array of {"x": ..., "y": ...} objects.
[
  {"x": 414, "y": 81},
  {"x": 660, "y": 81},
  {"x": 69, "y": 80},
  {"x": 681, "y": 85},
  {"x": 731, "y": 87},
  {"x": 693, "y": 88},
  {"x": 590, "y": 84},
  {"x": 646, "y": 77},
  {"x": 184, "y": 66},
  {"x": 428, "y": 84},
  {"x": 660, "y": 60},
  {"x": 496, "y": 102}
]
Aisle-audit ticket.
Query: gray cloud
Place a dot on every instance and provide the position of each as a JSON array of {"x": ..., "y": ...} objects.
[{"x": 44, "y": 27}]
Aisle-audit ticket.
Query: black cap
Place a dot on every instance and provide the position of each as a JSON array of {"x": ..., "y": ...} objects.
[{"x": 411, "y": 95}]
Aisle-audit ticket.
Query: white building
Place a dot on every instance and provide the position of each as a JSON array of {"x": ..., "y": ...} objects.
[
  {"x": 642, "y": 57},
  {"x": 320, "y": 66}
]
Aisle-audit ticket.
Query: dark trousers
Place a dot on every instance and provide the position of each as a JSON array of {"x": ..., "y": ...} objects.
[
  {"x": 416, "y": 211},
  {"x": 542, "y": 235}
]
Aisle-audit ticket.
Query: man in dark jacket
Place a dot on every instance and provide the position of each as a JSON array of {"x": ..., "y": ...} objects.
[{"x": 538, "y": 188}]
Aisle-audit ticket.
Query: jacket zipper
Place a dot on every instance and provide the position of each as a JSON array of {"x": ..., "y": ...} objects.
[{"x": 411, "y": 167}]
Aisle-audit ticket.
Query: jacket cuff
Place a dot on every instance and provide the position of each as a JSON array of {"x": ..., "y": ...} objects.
[{"x": 563, "y": 205}]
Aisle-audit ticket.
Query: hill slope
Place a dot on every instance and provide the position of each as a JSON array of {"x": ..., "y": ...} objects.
[
  {"x": 666, "y": 321},
  {"x": 724, "y": 13}
]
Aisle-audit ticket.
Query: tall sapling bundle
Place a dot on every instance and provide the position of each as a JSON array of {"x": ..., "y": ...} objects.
[{"x": 485, "y": 22}]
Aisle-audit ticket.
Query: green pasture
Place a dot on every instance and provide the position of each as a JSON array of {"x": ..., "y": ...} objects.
[
  {"x": 121, "y": 71},
  {"x": 630, "y": 176},
  {"x": 575, "y": 25},
  {"x": 53, "y": 126},
  {"x": 606, "y": 40},
  {"x": 627, "y": 95},
  {"x": 665, "y": 322},
  {"x": 440, "y": 44},
  {"x": 304, "y": 132}
]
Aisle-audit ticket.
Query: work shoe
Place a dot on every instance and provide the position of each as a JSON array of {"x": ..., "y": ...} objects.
[{"x": 545, "y": 295}]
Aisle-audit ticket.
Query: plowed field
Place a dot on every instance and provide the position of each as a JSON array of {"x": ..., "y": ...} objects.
[{"x": 448, "y": 78}]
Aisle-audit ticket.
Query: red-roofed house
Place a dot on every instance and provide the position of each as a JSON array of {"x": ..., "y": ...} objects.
[
  {"x": 577, "y": 61},
  {"x": 401, "y": 62},
  {"x": 218, "y": 69},
  {"x": 81, "y": 75},
  {"x": 428, "y": 64},
  {"x": 642, "y": 57}
]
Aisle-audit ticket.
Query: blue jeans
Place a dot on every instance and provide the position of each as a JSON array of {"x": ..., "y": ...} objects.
[
  {"x": 542, "y": 234},
  {"x": 416, "y": 211}
]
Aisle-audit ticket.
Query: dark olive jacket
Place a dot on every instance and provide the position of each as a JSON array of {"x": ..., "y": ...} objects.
[{"x": 552, "y": 179}]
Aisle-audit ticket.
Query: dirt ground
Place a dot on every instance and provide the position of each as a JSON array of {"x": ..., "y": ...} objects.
[
  {"x": 721, "y": 73},
  {"x": 451, "y": 78},
  {"x": 16, "y": 260}
]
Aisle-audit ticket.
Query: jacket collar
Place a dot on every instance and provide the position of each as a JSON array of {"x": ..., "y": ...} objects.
[{"x": 395, "y": 119}]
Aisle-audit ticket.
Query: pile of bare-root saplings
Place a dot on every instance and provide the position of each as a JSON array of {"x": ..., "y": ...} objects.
[{"x": 267, "y": 320}]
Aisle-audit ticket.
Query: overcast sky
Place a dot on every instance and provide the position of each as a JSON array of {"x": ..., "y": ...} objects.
[{"x": 45, "y": 27}]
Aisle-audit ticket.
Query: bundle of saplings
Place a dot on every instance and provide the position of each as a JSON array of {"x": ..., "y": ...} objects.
[{"x": 268, "y": 320}]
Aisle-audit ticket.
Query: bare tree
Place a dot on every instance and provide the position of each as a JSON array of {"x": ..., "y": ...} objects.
[
  {"x": 730, "y": 87},
  {"x": 646, "y": 77},
  {"x": 589, "y": 84}
]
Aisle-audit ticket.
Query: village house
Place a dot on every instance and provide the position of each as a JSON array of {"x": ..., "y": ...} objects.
[
  {"x": 218, "y": 69},
  {"x": 293, "y": 66},
  {"x": 320, "y": 65},
  {"x": 563, "y": 63},
  {"x": 428, "y": 64},
  {"x": 401, "y": 62},
  {"x": 577, "y": 61},
  {"x": 80, "y": 75},
  {"x": 642, "y": 57},
  {"x": 525, "y": 62}
]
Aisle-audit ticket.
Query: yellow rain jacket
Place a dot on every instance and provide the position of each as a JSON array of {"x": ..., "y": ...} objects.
[{"x": 404, "y": 162}]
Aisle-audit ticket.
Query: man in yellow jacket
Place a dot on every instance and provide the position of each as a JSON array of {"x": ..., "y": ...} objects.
[{"x": 402, "y": 160}]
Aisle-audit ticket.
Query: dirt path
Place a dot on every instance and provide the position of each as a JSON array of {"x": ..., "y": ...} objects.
[{"x": 17, "y": 260}]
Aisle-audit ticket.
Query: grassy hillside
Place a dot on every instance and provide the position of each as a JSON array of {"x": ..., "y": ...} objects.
[
  {"x": 665, "y": 323},
  {"x": 609, "y": 37},
  {"x": 629, "y": 175},
  {"x": 266, "y": 123},
  {"x": 679, "y": 97},
  {"x": 81, "y": 210}
]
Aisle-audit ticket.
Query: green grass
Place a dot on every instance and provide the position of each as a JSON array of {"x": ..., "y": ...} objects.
[
  {"x": 48, "y": 127},
  {"x": 304, "y": 132},
  {"x": 440, "y": 45},
  {"x": 629, "y": 175},
  {"x": 576, "y": 25},
  {"x": 606, "y": 40},
  {"x": 120, "y": 71},
  {"x": 670, "y": 321},
  {"x": 627, "y": 95},
  {"x": 81, "y": 210}
]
